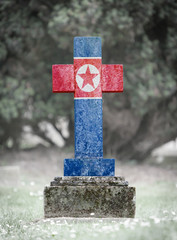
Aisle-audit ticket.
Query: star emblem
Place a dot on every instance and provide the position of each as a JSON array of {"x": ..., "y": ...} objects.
[{"x": 88, "y": 78}]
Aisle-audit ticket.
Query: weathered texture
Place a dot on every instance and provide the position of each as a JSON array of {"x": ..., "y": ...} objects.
[
  {"x": 75, "y": 196},
  {"x": 83, "y": 181},
  {"x": 83, "y": 196},
  {"x": 88, "y": 78}
]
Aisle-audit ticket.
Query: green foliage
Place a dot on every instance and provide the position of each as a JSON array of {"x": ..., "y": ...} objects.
[
  {"x": 125, "y": 29},
  {"x": 15, "y": 96},
  {"x": 36, "y": 34}
]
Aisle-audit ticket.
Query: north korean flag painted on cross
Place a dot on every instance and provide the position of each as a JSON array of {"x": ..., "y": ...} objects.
[{"x": 87, "y": 78}]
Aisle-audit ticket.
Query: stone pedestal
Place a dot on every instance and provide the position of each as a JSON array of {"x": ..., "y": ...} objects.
[{"x": 89, "y": 197}]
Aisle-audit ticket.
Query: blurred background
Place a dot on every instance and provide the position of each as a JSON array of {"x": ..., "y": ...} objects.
[
  {"x": 37, "y": 126},
  {"x": 141, "y": 35}
]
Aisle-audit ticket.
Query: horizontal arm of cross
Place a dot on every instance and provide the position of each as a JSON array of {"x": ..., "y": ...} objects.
[
  {"x": 112, "y": 78},
  {"x": 63, "y": 78}
]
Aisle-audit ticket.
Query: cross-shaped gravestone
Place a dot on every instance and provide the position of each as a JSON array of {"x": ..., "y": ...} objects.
[
  {"x": 87, "y": 78},
  {"x": 74, "y": 195}
]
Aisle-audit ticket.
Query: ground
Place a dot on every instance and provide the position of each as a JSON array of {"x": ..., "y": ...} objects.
[{"x": 21, "y": 200}]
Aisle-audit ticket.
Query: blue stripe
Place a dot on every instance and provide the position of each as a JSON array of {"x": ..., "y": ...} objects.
[
  {"x": 88, "y": 128},
  {"x": 87, "y": 47}
]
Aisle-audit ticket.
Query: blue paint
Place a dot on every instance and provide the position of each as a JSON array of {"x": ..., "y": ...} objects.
[
  {"x": 89, "y": 167},
  {"x": 88, "y": 159},
  {"x": 87, "y": 47},
  {"x": 88, "y": 128}
]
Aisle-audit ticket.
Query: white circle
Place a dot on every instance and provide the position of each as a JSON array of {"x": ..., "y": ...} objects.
[{"x": 80, "y": 80}]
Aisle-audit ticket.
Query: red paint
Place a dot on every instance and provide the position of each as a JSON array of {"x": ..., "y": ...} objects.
[
  {"x": 88, "y": 77},
  {"x": 79, "y": 92},
  {"x": 112, "y": 78},
  {"x": 64, "y": 78}
]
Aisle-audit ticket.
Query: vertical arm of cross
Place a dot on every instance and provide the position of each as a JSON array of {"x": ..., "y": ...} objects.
[
  {"x": 112, "y": 78},
  {"x": 63, "y": 78}
]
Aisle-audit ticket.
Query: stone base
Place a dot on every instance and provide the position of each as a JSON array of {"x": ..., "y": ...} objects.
[{"x": 89, "y": 197}]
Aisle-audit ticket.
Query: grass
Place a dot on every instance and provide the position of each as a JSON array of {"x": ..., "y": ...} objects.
[
  {"x": 21, "y": 216},
  {"x": 21, "y": 208}
]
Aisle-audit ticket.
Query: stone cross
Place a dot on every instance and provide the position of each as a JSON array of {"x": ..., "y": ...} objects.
[{"x": 87, "y": 78}]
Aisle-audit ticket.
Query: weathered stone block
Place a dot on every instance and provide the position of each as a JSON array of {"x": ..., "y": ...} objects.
[{"x": 89, "y": 197}]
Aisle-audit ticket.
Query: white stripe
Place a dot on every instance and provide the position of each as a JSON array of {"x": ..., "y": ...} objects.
[
  {"x": 88, "y": 98},
  {"x": 87, "y": 57}
]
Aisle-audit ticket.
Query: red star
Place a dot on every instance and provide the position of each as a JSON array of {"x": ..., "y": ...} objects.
[{"x": 88, "y": 77}]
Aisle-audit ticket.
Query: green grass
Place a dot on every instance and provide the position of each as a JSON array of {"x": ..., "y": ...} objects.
[{"x": 21, "y": 216}]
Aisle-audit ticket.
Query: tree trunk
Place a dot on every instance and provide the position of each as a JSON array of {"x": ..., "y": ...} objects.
[{"x": 156, "y": 127}]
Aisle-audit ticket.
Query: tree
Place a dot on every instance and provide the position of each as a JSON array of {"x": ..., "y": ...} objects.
[{"x": 139, "y": 34}]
